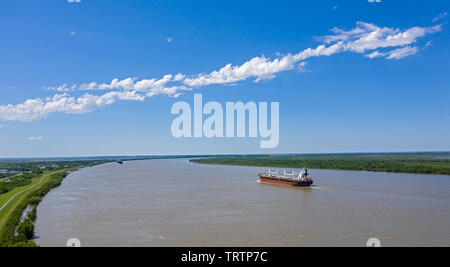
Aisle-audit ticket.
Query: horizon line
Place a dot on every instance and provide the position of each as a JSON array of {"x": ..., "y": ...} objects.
[{"x": 216, "y": 155}]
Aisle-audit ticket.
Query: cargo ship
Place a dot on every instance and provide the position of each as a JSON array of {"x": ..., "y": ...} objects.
[{"x": 288, "y": 179}]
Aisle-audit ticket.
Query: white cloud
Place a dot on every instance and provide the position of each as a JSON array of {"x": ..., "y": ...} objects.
[
  {"x": 398, "y": 53},
  {"x": 147, "y": 87},
  {"x": 260, "y": 68},
  {"x": 73, "y": 33},
  {"x": 128, "y": 89},
  {"x": 1, "y": 125},
  {"x": 368, "y": 36},
  {"x": 33, "y": 109},
  {"x": 301, "y": 67},
  {"x": 374, "y": 1},
  {"x": 35, "y": 138},
  {"x": 74, "y": 1},
  {"x": 375, "y": 54},
  {"x": 402, "y": 52},
  {"x": 440, "y": 16},
  {"x": 169, "y": 40},
  {"x": 61, "y": 88},
  {"x": 365, "y": 38}
]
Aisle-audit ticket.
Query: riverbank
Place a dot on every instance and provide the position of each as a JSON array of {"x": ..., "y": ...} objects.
[
  {"x": 17, "y": 232},
  {"x": 419, "y": 163}
]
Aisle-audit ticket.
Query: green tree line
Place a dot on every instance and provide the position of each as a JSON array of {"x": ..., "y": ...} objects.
[{"x": 377, "y": 163}]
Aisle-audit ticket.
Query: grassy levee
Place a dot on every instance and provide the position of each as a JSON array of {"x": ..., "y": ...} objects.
[
  {"x": 13, "y": 232},
  {"x": 12, "y": 212},
  {"x": 420, "y": 163},
  {"x": 7, "y": 196},
  {"x": 14, "y": 195}
]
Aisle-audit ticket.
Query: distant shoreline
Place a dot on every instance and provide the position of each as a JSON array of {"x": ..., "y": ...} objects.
[
  {"x": 145, "y": 157},
  {"x": 411, "y": 163}
]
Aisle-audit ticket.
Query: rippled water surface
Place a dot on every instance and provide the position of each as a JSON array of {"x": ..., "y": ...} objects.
[{"x": 178, "y": 203}]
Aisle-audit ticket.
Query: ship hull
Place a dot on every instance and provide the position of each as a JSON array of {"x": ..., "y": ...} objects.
[{"x": 282, "y": 181}]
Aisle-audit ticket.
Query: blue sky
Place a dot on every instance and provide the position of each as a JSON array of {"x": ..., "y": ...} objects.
[{"x": 378, "y": 82}]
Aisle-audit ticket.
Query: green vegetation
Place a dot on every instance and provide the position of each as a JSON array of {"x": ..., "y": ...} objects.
[
  {"x": 38, "y": 166},
  {"x": 21, "y": 173},
  {"x": 17, "y": 181},
  {"x": 424, "y": 163},
  {"x": 32, "y": 215},
  {"x": 40, "y": 178},
  {"x": 24, "y": 231}
]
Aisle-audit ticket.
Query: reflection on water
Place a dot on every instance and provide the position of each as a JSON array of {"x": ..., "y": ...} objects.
[{"x": 177, "y": 203}]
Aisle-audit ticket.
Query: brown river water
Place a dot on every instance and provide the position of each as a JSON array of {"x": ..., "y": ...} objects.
[{"x": 173, "y": 202}]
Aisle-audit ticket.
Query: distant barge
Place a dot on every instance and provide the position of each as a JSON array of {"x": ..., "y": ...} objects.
[{"x": 288, "y": 179}]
